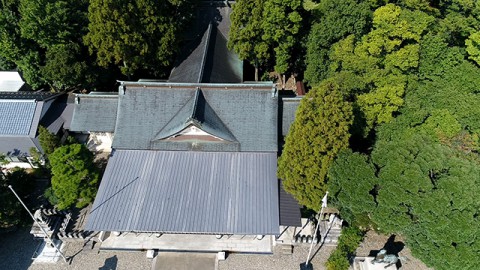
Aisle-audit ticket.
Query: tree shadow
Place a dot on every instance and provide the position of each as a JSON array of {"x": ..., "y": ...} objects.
[{"x": 110, "y": 263}]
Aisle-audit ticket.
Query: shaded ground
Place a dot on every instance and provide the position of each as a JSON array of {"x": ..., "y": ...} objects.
[
  {"x": 16, "y": 249},
  {"x": 373, "y": 242}
]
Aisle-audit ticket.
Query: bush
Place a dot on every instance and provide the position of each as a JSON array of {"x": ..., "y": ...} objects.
[
  {"x": 338, "y": 260},
  {"x": 347, "y": 244}
]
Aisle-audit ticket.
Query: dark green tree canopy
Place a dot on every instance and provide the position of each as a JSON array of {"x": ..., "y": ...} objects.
[
  {"x": 48, "y": 141},
  {"x": 320, "y": 131},
  {"x": 137, "y": 34},
  {"x": 10, "y": 209},
  {"x": 246, "y": 32},
  {"x": 333, "y": 21},
  {"x": 267, "y": 32},
  {"x": 52, "y": 22},
  {"x": 74, "y": 176}
]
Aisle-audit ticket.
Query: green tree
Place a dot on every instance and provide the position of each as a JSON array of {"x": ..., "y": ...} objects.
[
  {"x": 246, "y": 33},
  {"x": 137, "y": 34},
  {"x": 64, "y": 68},
  {"x": 268, "y": 32},
  {"x": 319, "y": 132},
  {"x": 354, "y": 187},
  {"x": 334, "y": 20},
  {"x": 48, "y": 141},
  {"x": 52, "y": 22},
  {"x": 23, "y": 183},
  {"x": 347, "y": 244},
  {"x": 427, "y": 189},
  {"x": 74, "y": 176},
  {"x": 16, "y": 49},
  {"x": 383, "y": 62},
  {"x": 281, "y": 24}
]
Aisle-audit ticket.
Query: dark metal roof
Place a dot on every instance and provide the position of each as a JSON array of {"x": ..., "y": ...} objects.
[
  {"x": 58, "y": 116},
  {"x": 206, "y": 58},
  {"x": 94, "y": 112},
  {"x": 289, "y": 209},
  {"x": 247, "y": 111},
  {"x": 188, "y": 192},
  {"x": 289, "y": 108}
]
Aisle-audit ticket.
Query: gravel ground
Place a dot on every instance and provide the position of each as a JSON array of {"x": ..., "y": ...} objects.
[
  {"x": 277, "y": 261},
  {"x": 17, "y": 248}
]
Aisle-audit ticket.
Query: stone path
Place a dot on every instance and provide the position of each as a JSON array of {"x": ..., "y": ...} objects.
[{"x": 184, "y": 261}]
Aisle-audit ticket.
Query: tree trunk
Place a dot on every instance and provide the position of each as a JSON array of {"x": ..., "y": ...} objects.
[
  {"x": 126, "y": 68},
  {"x": 256, "y": 73}
]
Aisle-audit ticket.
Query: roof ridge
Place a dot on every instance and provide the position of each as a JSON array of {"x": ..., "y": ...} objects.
[
  {"x": 195, "y": 105},
  {"x": 205, "y": 53}
]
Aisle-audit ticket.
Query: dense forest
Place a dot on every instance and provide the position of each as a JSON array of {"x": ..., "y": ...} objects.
[
  {"x": 390, "y": 125},
  {"x": 63, "y": 44}
]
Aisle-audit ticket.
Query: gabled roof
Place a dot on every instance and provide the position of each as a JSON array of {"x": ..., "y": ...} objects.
[
  {"x": 96, "y": 112},
  {"x": 207, "y": 58},
  {"x": 10, "y": 81},
  {"x": 188, "y": 192},
  {"x": 196, "y": 112},
  {"x": 243, "y": 115}
]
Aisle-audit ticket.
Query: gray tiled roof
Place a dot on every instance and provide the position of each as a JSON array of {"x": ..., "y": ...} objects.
[
  {"x": 94, "y": 112},
  {"x": 289, "y": 108},
  {"x": 199, "y": 113},
  {"x": 188, "y": 192},
  {"x": 248, "y": 111},
  {"x": 16, "y": 116}
]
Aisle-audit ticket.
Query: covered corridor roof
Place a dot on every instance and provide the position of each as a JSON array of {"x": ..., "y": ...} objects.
[{"x": 188, "y": 192}]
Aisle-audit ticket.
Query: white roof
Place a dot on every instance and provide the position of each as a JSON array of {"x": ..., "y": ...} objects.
[{"x": 10, "y": 81}]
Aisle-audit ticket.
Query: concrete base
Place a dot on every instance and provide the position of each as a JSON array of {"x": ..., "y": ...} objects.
[
  {"x": 47, "y": 254},
  {"x": 188, "y": 242},
  {"x": 365, "y": 263}
]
